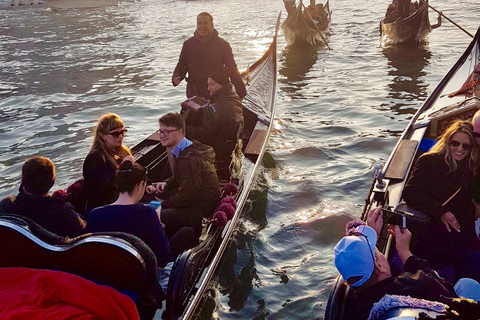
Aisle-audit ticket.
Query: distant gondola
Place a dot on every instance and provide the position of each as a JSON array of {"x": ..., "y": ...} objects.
[
  {"x": 434, "y": 116},
  {"x": 122, "y": 260},
  {"x": 412, "y": 29},
  {"x": 300, "y": 28}
]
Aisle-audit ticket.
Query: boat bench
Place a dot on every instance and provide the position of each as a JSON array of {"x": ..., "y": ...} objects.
[{"x": 119, "y": 260}]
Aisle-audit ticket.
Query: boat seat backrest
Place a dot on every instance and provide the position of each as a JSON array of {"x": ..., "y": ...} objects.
[
  {"x": 442, "y": 119},
  {"x": 116, "y": 259}
]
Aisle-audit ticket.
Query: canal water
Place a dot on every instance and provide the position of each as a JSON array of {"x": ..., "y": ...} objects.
[{"x": 339, "y": 113}]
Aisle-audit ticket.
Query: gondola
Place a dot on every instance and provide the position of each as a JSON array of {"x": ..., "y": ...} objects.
[
  {"x": 124, "y": 261},
  {"x": 301, "y": 29},
  {"x": 412, "y": 29},
  {"x": 430, "y": 121}
]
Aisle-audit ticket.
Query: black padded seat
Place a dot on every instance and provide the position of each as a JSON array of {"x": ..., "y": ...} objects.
[{"x": 116, "y": 259}]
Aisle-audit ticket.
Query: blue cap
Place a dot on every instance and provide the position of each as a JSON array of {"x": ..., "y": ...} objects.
[{"x": 355, "y": 255}]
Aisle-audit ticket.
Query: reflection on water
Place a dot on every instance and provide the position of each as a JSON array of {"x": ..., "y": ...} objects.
[
  {"x": 294, "y": 64},
  {"x": 406, "y": 65}
]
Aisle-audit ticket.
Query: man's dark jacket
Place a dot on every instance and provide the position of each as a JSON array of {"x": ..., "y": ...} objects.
[
  {"x": 220, "y": 121},
  {"x": 195, "y": 181},
  {"x": 200, "y": 59},
  {"x": 417, "y": 280},
  {"x": 51, "y": 213}
]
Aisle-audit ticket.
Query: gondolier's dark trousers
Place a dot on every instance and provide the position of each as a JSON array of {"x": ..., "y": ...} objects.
[{"x": 403, "y": 8}]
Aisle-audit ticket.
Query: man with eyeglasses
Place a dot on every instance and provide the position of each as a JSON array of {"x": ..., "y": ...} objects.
[
  {"x": 192, "y": 193},
  {"x": 369, "y": 274}
]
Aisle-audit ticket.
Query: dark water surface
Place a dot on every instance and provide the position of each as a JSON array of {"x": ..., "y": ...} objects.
[{"x": 339, "y": 113}]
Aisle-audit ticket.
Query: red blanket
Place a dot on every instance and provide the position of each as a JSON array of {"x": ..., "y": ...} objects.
[{"x": 46, "y": 294}]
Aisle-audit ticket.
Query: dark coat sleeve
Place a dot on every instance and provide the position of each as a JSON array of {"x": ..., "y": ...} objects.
[
  {"x": 189, "y": 182},
  {"x": 182, "y": 66},
  {"x": 420, "y": 192},
  {"x": 237, "y": 80},
  {"x": 99, "y": 181},
  {"x": 157, "y": 240},
  {"x": 74, "y": 223}
]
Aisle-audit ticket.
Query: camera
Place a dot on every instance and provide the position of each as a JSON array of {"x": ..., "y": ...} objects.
[{"x": 395, "y": 218}]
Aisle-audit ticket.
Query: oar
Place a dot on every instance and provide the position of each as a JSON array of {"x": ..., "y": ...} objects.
[
  {"x": 439, "y": 12},
  {"x": 318, "y": 30}
]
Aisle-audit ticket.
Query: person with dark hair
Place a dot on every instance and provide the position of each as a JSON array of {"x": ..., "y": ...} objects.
[
  {"x": 192, "y": 193},
  {"x": 100, "y": 165},
  {"x": 143, "y": 221},
  {"x": 369, "y": 275},
  {"x": 201, "y": 55},
  {"x": 33, "y": 202},
  {"x": 222, "y": 120},
  {"x": 441, "y": 186}
]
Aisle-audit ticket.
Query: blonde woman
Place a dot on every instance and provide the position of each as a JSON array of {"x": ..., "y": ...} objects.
[
  {"x": 101, "y": 163},
  {"x": 441, "y": 187}
]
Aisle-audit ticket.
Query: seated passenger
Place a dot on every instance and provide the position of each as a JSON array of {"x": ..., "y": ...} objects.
[
  {"x": 289, "y": 6},
  {"x": 33, "y": 201},
  {"x": 101, "y": 163},
  {"x": 392, "y": 14},
  {"x": 127, "y": 215},
  {"x": 192, "y": 193},
  {"x": 368, "y": 272},
  {"x": 441, "y": 187},
  {"x": 221, "y": 121}
]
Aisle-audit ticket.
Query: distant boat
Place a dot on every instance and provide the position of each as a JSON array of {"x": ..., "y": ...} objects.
[
  {"x": 301, "y": 28},
  {"x": 413, "y": 29},
  {"x": 20, "y": 3},
  {"x": 72, "y": 4}
]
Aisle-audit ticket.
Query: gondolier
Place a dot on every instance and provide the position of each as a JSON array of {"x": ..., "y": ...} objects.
[{"x": 203, "y": 54}]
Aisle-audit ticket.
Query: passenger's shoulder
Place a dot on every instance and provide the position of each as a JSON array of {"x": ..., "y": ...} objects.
[{"x": 6, "y": 204}]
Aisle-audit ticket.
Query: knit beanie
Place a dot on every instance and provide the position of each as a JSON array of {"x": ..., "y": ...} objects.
[{"x": 221, "y": 76}]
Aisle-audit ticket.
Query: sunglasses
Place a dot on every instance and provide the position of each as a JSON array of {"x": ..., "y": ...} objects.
[
  {"x": 117, "y": 134},
  {"x": 465, "y": 146},
  {"x": 165, "y": 132}
]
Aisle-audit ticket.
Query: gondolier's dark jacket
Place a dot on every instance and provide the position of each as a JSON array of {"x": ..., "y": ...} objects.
[
  {"x": 220, "y": 122},
  {"x": 200, "y": 59},
  {"x": 53, "y": 214},
  {"x": 429, "y": 186},
  {"x": 417, "y": 280},
  {"x": 195, "y": 181}
]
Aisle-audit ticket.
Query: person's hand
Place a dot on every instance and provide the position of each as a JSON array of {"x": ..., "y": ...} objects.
[
  {"x": 161, "y": 186},
  {"x": 129, "y": 158},
  {"x": 403, "y": 237},
  {"x": 375, "y": 219},
  {"x": 150, "y": 189},
  {"x": 176, "y": 80},
  {"x": 449, "y": 220},
  {"x": 159, "y": 211}
]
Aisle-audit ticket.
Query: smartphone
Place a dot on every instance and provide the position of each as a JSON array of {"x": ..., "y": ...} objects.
[
  {"x": 155, "y": 204},
  {"x": 395, "y": 218}
]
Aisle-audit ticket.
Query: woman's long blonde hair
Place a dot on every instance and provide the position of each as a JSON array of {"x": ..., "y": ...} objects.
[
  {"x": 443, "y": 146},
  {"x": 105, "y": 124}
]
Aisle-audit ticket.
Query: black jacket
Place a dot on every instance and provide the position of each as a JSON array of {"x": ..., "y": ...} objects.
[
  {"x": 200, "y": 59},
  {"x": 429, "y": 186},
  {"x": 53, "y": 214},
  {"x": 195, "y": 182},
  {"x": 99, "y": 177},
  {"x": 417, "y": 280},
  {"x": 220, "y": 122}
]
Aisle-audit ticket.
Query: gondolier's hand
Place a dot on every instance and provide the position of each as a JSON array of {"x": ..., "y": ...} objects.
[
  {"x": 176, "y": 80},
  {"x": 449, "y": 220},
  {"x": 375, "y": 219}
]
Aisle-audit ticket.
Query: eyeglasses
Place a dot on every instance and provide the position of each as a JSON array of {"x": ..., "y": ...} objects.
[
  {"x": 466, "y": 146},
  {"x": 165, "y": 132},
  {"x": 117, "y": 134}
]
